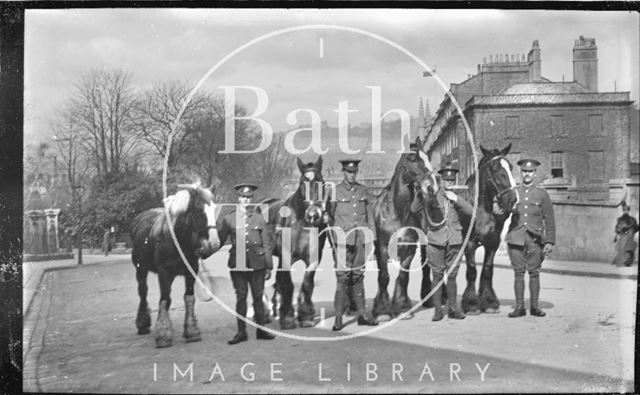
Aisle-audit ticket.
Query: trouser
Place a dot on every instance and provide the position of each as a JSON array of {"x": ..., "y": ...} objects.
[
  {"x": 439, "y": 259},
  {"x": 242, "y": 281},
  {"x": 526, "y": 258},
  {"x": 350, "y": 277}
]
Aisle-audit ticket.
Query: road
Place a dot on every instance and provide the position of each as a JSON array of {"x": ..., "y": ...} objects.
[{"x": 82, "y": 337}]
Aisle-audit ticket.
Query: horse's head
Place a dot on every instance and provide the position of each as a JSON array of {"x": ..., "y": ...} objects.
[
  {"x": 192, "y": 208},
  {"x": 311, "y": 187},
  {"x": 495, "y": 173},
  {"x": 417, "y": 170}
]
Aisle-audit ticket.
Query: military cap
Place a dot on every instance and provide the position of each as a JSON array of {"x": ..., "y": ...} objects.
[
  {"x": 350, "y": 165},
  {"x": 448, "y": 174},
  {"x": 413, "y": 147},
  {"x": 245, "y": 190},
  {"x": 528, "y": 164}
]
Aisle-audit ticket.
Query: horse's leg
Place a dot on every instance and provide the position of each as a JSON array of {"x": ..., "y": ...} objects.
[
  {"x": 381, "y": 304},
  {"x": 489, "y": 302},
  {"x": 306, "y": 311},
  {"x": 285, "y": 287},
  {"x": 470, "y": 303},
  {"x": 191, "y": 331},
  {"x": 164, "y": 329},
  {"x": 425, "y": 287},
  {"x": 401, "y": 301},
  {"x": 143, "y": 318}
]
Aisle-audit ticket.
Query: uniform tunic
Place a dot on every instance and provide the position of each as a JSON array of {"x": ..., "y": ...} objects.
[
  {"x": 352, "y": 208},
  {"x": 532, "y": 226},
  {"x": 446, "y": 238}
]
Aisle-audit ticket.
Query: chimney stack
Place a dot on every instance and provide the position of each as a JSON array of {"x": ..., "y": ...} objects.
[
  {"x": 585, "y": 63},
  {"x": 535, "y": 62}
]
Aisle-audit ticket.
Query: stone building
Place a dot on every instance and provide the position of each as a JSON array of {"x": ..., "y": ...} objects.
[{"x": 580, "y": 135}]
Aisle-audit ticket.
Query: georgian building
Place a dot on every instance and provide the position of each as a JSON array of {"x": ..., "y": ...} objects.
[{"x": 580, "y": 135}]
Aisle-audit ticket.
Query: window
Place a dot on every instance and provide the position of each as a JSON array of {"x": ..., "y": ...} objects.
[
  {"x": 595, "y": 124},
  {"x": 557, "y": 125},
  {"x": 595, "y": 164},
  {"x": 557, "y": 164},
  {"x": 512, "y": 126}
]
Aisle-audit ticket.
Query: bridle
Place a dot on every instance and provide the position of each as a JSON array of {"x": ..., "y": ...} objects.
[{"x": 499, "y": 192}]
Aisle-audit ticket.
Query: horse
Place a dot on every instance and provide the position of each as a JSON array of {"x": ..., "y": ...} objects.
[
  {"x": 292, "y": 220},
  {"x": 193, "y": 215},
  {"x": 496, "y": 188},
  {"x": 392, "y": 212}
]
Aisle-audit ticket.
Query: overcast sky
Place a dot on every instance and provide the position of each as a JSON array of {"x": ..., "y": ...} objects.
[{"x": 313, "y": 69}]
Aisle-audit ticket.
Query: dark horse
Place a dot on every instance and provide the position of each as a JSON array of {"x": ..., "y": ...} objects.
[
  {"x": 192, "y": 213},
  {"x": 295, "y": 221},
  {"x": 496, "y": 199},
  {"x": 392, "y": 212}
]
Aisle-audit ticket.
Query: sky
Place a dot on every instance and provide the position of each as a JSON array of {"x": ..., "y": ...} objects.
[{"x": 313, "y": 69}]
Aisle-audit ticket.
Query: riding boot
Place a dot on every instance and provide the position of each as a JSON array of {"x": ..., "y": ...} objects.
[
  {"x": 437, "y": 298},
  {"x": 534, "y": 289},
  {"x": 191, "y": 331},
  {"x": 518, "y": 286},
  {"x": 241, "y": 310},
  {"x": 338, "y": 304},
  {"x": 358, "y": 296},
  {"x": 452, "y": 290}
]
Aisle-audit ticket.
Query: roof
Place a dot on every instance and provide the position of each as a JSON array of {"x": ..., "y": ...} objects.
[
  {"x": 550, "y": 99},
  {"x": 536, "y": 88}
]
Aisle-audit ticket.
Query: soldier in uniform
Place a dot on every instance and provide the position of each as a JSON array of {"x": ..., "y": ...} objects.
[
  {"x": 259, "y": 261},
  {"x": 445, "y": 241},
  {"x": 531, "y": 236},
  {"x": 352, "y": 208}
]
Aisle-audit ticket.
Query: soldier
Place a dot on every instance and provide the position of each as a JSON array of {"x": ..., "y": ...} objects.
[
  {"x": 531, "y": 236},
  {"x": 259, "y": 261},
  {"x": 352, "y": 208},
  {"x": 626, "y": 227},
  {"x": 445, "y": 241}
]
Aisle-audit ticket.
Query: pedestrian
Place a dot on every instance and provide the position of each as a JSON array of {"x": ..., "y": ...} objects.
[
  {"x": 626, "y": 227},
  {"x": 445, "y": 240},
  {"x": 531, "y": 236},
  {"x": 106, "y": 242},
  {"x": 352, "y": 208},
  {"x": 259, "y": 261}
]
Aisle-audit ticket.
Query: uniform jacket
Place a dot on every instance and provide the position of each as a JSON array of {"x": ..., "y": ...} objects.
[
  {"x": 258, "y": 246},
  {"x": 450, "y": 232},
  {"x": 533, "y": 214},
  {"x": 352, "y": 208}
]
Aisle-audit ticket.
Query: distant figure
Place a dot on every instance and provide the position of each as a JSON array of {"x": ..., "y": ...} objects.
[
  {"x": 106, "y": 242},
  {"x": 626, "y": 227}
]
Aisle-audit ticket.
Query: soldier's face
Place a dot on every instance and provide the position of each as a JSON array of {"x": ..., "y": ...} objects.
[
  {"x": 528, "y": 176},
  {"x": 243, "y": 200},
  {"x": 350, "y": 176},
  {"x": 447, "y": 183}
]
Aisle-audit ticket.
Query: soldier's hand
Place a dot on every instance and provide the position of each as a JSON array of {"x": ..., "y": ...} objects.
[
  {"x": 267, "y": 275},
  {"x": 450, "y": 195},
  {"x": 496, "y": 209},
  {"x": 548, "y": 248}
]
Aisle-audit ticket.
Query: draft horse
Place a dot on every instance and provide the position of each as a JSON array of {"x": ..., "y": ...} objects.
[
  {"x": 296, "y": 221},
  {"x": 192, "y": 213},
  {"x": 496, "y": 199},
  {"x": 392, "y": 212}
]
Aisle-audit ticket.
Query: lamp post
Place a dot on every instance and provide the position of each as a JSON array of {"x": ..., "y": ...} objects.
[{"x": 79, "y": 188}]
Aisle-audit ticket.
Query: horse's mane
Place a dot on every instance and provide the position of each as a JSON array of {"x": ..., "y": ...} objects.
[{"x": 178, "y": 203}]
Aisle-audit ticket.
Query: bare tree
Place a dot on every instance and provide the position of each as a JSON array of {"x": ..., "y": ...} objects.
[
  {"x": 156, "y": 111},
  {"x": 103, "y": 102}
]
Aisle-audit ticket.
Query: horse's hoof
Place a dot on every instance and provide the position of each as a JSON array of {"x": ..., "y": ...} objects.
[
  {"x": 408, "y": 316},
  {"x": 144, "y": 331},
  {"x": 472, "y": 312},
  {"x": 307, "y": 324},
  {"x": 287, "y": 324},
  {"x": 492, "y": 310},
  {"x": 383, "y": 318},
  {"x": 162, "y": 342},
  {"x": 428, "y": 304},
  {"x": 192, "y": 338}
]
